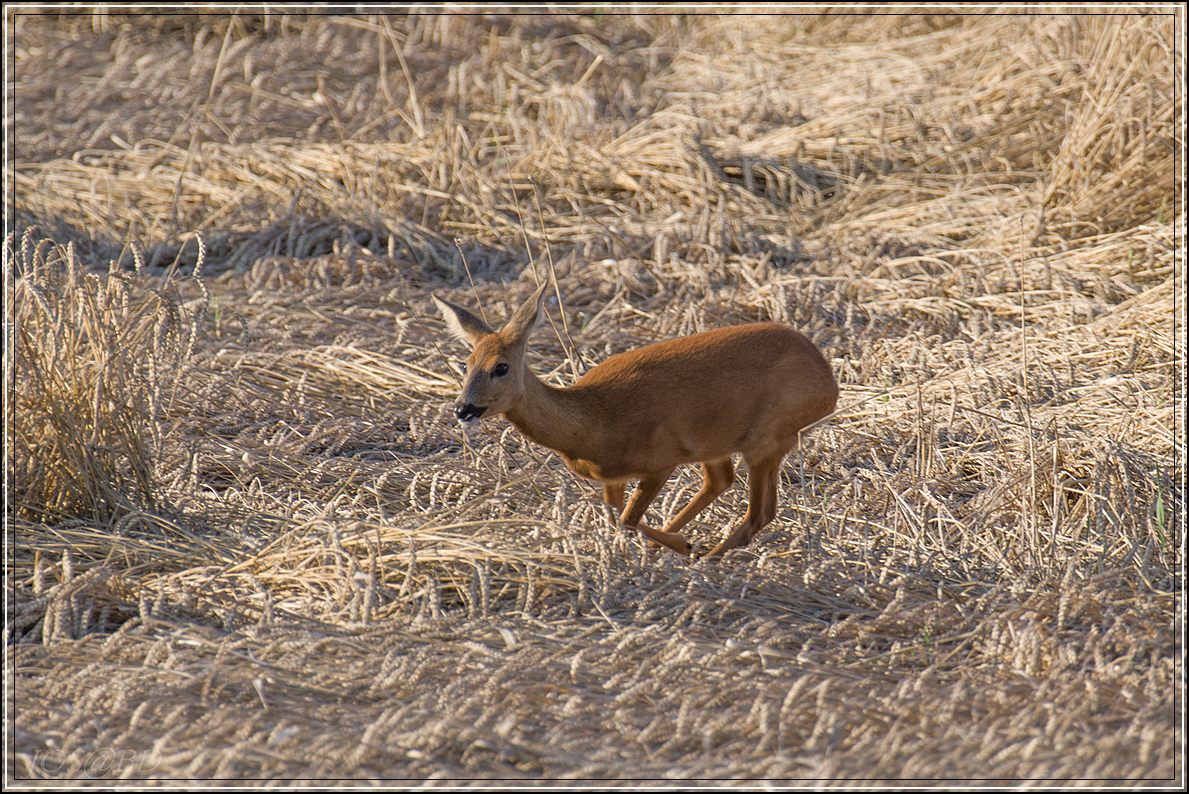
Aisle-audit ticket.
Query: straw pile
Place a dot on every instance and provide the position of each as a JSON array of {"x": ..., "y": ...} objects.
[{"x": 248, "y": 543}]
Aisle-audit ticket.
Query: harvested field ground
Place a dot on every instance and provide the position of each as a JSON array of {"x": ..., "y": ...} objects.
[{"x": 247, "y": 542}]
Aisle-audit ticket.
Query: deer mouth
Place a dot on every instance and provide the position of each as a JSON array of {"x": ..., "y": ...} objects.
[{"x": 468, "y": 414}]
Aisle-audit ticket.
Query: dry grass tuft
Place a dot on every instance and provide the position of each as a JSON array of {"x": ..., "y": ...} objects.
[
  {"x": 248, "y": 542},
  {"x": 95, "y": 363}
]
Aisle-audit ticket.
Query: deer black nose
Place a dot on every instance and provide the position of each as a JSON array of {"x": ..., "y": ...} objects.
[{"x": 468, "y": 412}]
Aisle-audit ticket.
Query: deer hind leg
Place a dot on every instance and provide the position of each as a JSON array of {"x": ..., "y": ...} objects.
[
  {"x": 717, "y": 476},
  {"x": 645, "y": 492},
  {"x": 763, "y": 486}
]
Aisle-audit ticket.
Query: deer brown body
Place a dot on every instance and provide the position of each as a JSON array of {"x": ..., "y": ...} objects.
[{"x": 749, "y": 389}]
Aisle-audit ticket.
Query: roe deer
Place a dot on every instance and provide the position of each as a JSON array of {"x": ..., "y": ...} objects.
[{"x": 640, "y": 414}]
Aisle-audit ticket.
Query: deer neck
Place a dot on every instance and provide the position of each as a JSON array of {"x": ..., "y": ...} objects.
[{"x": 550, "y": 416}]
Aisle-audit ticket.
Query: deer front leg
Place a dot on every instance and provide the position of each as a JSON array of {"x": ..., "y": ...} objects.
[
  {"x": 717, "y": 476},
  {"x": 613, "y": 495},
  {"x": 645, "y": 492}
]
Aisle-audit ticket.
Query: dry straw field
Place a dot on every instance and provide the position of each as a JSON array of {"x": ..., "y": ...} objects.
[{"x": 246, "y": 540}]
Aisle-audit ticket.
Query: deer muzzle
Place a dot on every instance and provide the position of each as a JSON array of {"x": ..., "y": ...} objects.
[{"x": 467, "y": 413}]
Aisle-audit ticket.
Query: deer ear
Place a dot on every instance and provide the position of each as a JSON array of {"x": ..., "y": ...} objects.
[
  {"x": 461, "y": 323},
  {"x": 522, "y": 322}
]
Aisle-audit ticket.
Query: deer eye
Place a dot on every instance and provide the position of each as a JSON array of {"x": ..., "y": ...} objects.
[
  {"x": 500, "y": 370},
  {"x": 464, "y": 368}
]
